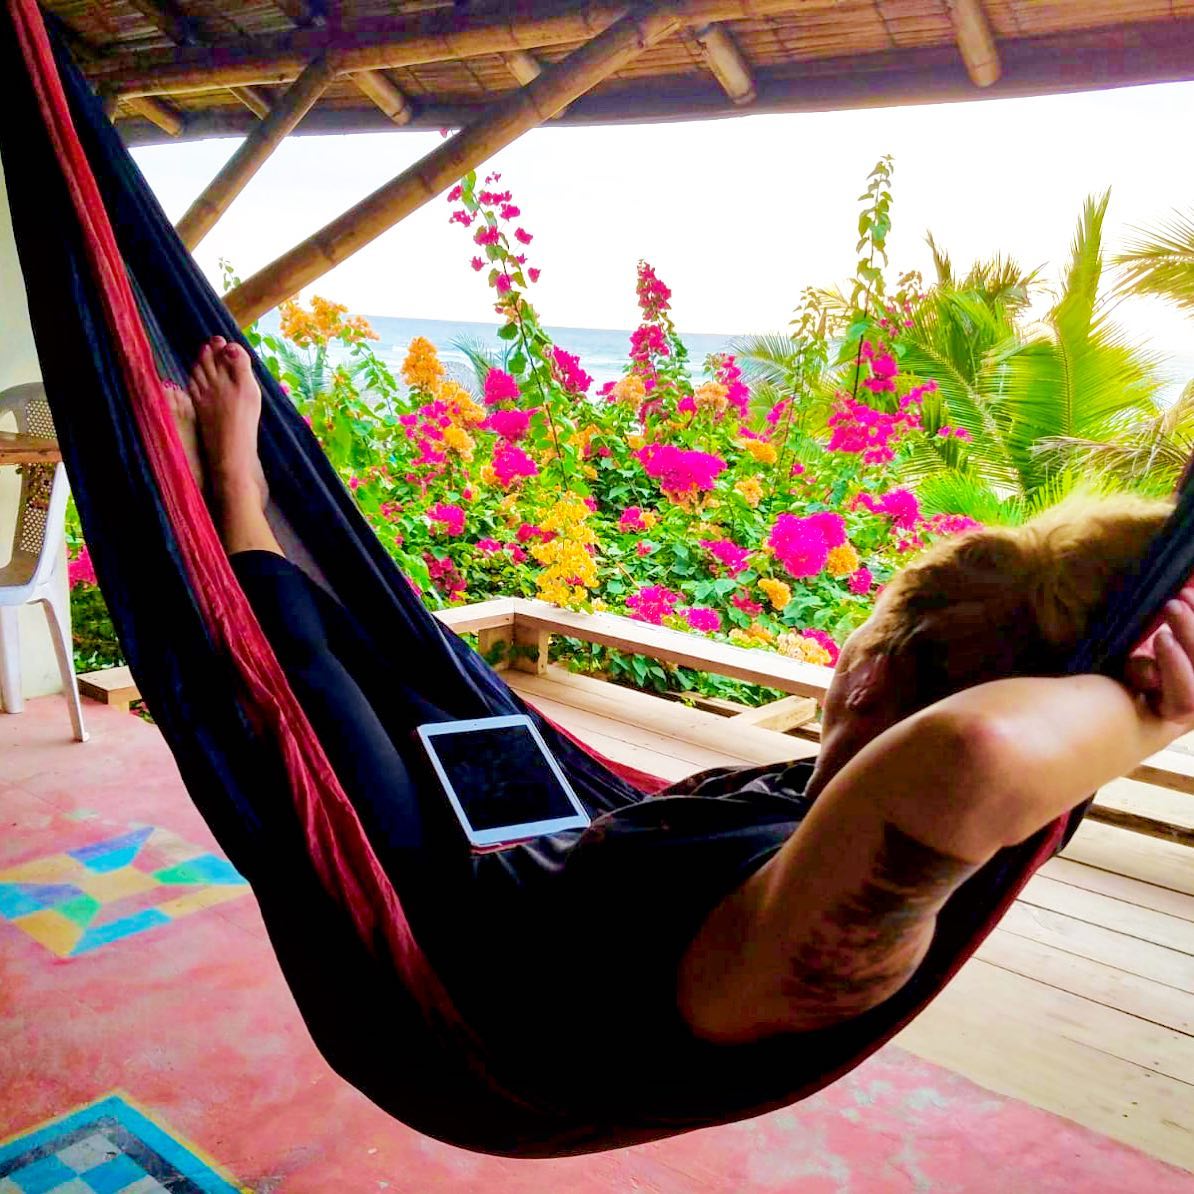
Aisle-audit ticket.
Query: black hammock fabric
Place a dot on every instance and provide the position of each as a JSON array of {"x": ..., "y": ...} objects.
[{"x": 610, "y": 1072}]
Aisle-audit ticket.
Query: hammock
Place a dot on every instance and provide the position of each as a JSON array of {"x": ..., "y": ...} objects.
[{"x": 117, "y": 304}]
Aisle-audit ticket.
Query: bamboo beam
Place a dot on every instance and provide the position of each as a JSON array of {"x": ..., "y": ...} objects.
[
  {"x": 976, "y": 42},
  {"x": 382, "y": 91},
  {"x": 254, "y": 100},
  {"x": 279, "y": 59},
  {"x": 506, "y": 122},
  {"x": 168, "y": 18},
  {"x": 725, "y": 60},
  {"x": 166, "y": 116},
  {"x": 523, "y": 66},
  {"x": 202, "y": 215}
]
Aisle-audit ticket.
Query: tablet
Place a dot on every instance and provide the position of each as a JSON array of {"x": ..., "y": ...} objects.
[{"x": 501, "y": 780}]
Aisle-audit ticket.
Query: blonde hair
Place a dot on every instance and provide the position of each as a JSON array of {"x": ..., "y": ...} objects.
[{"x": 1007, "y": 601}]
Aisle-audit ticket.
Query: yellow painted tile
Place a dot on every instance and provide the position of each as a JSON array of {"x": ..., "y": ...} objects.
[
  {"x": 115, "y": 885},
  {"x": 42, "y": 870},
  {"x": 205, "y": 897},
  {"x": 52, "y": 930}
]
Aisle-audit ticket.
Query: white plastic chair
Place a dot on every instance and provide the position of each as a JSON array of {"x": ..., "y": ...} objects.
[{"x": 34, "y": 573}]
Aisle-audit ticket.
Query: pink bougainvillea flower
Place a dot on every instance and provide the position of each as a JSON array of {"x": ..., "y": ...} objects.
[
  {"x": 444, "y": 575},
  {"x": 799, "y": 545},
  {"x": 510, "y": 212},
  {"x": 477, "y": 264},
  {"x": 517, "y": 554},
  {"x": 529, "y": 531},
  {"x": 950, "y": 524},
  {"x": 80, "y": 570},
  {"x": 511, "y": 464},
  {"x": 648, "y": 341},
  {"x": 644, "y": 548},
  {"x": 680, "y": 472},
  {"x": 500, "y": 387},
  {"x": 509, "y": 424},
  {"x": 832, "y": 527},
  {"x": 522, "y": 235},
  {"x": 632, "y": 519},
  {"x": 487, "y": 234},
  {"x": 686, "y": 406},
  {"x": 462, "y": 217},
  {"x": 743, "y": 602},
  {"x": 533, "y": 274},
  {"x": 451, "y": 517},
  {"x": 488, "y": 546},
  {"x": 566, "y": 367},
  {"x": 703, "y": 618},
  {"x": 900, "y": 505},
  {"x": 455, "y": 193},
  {"x": 503, "y": 283},
  {"x": 728, "y": 554},
  {"x": 653, "y": 296},
  {"x": 354, "y": 483},
  {"x": 860, "y": 581},
  {"x": 652, "y": 603}
]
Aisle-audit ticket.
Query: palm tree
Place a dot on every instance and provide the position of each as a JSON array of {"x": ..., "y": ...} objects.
[{"x": 1160, "y": 261}]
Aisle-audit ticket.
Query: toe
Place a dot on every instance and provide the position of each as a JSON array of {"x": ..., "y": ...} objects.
[
  {"x": 236, "y": 359},
  {"x": 205, "y": 366}
]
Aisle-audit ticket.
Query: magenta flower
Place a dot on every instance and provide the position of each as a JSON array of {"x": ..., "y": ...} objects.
[
  {"x": 900, "y": 505},
  {"x": 503, "y": 283},
  {"x": 648, "y": 341},
  {"x": 80, "y": 570},
  {"x": 488, "y": 546},
  {"x": 500, "y": 387},
  {"x": 728, "y": 554},
  {"x": 652, "y": 603},
  {"x": 509, "y": 424},
  {"x": 517, "y": 554},
  {"x": 680, "y": 472},
  {"x": 632, "y": 519},
  {"x": 487, "y": 234},
  {"x": 950, "y": 524},
  {"x": 819, "y": 636},
  {"x": 644, "y": 548},
  {"x": 522, "y": 235},
  {"x": 477, "y": 264},
  {"x": 529, "y": 531},
  {"x": 742, "y": 601},
  {"x": 799, "y": 545},
  {"x": 455, "y": 193},
  {"x": 510, "y": 464},
  {"x": 509, "y": 211},
  {"x": 449, "y": 516},
  {"x": 832, "y": 527},
  {"x": 653, "y": 296},
  {"x": 703, "y": 618},
  {"x": 860, "y": 581},
  {"x": 566, "y": 367},
  {"x": 533, "y": 274}
]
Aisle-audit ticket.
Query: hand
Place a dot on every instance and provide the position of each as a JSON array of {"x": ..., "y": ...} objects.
[{"x": 1165, "y": 678}]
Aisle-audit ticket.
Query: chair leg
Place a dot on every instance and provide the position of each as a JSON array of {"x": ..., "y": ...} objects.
[
  {"x": 60, "y": 633},
  {"x": 10, "y": 661}
]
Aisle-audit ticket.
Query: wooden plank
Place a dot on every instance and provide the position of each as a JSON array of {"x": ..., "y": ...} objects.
[
  {"x": 991, "y": 1026},
  {"x": 1107, "y": 985},
  {"x": 1123, "y": 853},
  {"x": 467, "y": 619},
  {"x": 1150, "y": 826},
  {"x": 1167, "y": 769},
  {"x": 110, "y": 686},
  {"x": 654, "y": 719},
  {"x": 674, "y": 646},
  {"x": 1122, "y": 887},
  {"x": 27, "y": 449},
  {"x": 781, "y": 716},
  {"x": 1146, "y": 924},
  {"x": 1156, "y": 962}
]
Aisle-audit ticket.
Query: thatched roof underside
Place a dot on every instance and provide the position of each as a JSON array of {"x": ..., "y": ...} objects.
[{"x": 204, "y": 68}]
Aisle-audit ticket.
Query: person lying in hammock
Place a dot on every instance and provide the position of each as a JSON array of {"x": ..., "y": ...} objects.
[{"x": 751, "y": 906}]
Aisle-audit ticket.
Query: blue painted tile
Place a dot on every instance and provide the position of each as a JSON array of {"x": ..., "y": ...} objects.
[
  {"x": 15, "y": 901},
  {"x": 126, "y": 841},
  {"x": 113, "y": 1176},
  {"x": 113, "y": 860},
  {"x": 42, "y": 1176},
  {"x": 149, "y": 918}
]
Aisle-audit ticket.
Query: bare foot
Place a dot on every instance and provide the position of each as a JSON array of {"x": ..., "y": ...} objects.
[
  {"x": 182, "y": 410},
  {"x": 227, "y": 402}
]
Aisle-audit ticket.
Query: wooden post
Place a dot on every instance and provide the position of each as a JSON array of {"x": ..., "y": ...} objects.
[
  {"x": 166, "y": 116},
  {"x": 488, "y": 638},
  {"x": 384, "y": 94},
  {"x": 202, "y": 215},
  {"x": 725, "y": 60},
  {"x": 976, "y": 41},
  {"x": 557, "y": 87},
  {"x": 530, "y": 649},
  {"x": 524, "y": 66}
]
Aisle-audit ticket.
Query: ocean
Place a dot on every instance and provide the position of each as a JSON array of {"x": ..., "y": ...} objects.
[{"x": 602, "y": 351}]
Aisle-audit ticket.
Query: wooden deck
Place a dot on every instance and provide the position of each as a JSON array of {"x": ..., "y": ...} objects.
[{"x": 1081, "y": 1002}]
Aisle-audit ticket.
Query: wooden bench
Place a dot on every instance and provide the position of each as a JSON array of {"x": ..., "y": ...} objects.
[{"x": 516, "y": 633}]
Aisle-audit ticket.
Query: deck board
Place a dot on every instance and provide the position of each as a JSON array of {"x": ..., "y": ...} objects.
[{"x": 1081, "y": 1002}]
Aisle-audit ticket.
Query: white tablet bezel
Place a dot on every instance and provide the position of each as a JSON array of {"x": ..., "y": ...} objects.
[{"x": 500, "y": 834}]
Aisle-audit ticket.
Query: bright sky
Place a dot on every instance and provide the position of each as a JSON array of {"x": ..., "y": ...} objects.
[{"x": 737, "y": 215}]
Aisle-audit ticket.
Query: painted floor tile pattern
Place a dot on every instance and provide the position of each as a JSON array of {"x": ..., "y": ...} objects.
[
  {"x": 109, "y": 1147},
  {"x": 89, "y": 896}
]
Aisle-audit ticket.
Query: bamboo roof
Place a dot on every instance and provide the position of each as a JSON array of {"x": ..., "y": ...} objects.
[{"x": 201, "y": 68}]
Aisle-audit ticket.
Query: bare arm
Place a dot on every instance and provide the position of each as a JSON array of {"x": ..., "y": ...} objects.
[{"x": 840, "y": 918}]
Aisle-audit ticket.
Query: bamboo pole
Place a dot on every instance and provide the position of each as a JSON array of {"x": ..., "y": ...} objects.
[
  {"x": 524, "y": 66},
  {"x": 254, "y": 100},
  {"x": 166, "y": 116},
  {"x": 202, "y": 215},
  {"x": 385, "y": 95},
  {"x": 976, "y": 42},
  {"x": 279, "y": 59},
  {"x": 725, "y": 60},
  {"x": 522, "y": 110}
]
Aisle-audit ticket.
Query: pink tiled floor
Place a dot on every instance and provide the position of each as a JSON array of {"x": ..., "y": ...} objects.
[{"x": 193, "y": 1022}]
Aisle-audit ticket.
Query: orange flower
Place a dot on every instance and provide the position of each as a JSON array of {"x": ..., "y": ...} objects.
[
  {"x": 843, "y": 560},
  {"x": 778, "y": 593},
  {"x": 630, "y": 392},
  {"x": 796, "y": 646},
  {"x": 761, "y": 450},
  {"x": 751, "y": 490},
  {"x": 458, "y": 440},
  {"x": 422, "y": 369},
  {"x": 711, "y": 396},
  {"x": 325, "y": 321}
]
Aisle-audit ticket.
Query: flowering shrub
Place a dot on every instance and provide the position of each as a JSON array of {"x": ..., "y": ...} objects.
[{"x": 674, "y": 497}]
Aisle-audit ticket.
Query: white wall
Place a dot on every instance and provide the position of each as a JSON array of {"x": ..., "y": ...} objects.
[{"x": 18, "y": 363}]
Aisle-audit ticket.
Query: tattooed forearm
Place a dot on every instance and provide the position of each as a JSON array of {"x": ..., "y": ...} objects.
[{"x": 866, "y": 944}]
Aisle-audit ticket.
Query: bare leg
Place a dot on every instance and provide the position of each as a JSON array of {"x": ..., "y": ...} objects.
[{"x": 227, "y": 406}]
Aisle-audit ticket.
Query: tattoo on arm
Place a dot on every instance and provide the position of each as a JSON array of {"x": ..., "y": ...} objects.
[{"x": 869, "y": 941}]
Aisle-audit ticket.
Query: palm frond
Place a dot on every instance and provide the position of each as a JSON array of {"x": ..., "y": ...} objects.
[
  {"x": 1160, "y": 261},
  {"x": 960, "y": 493}
]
